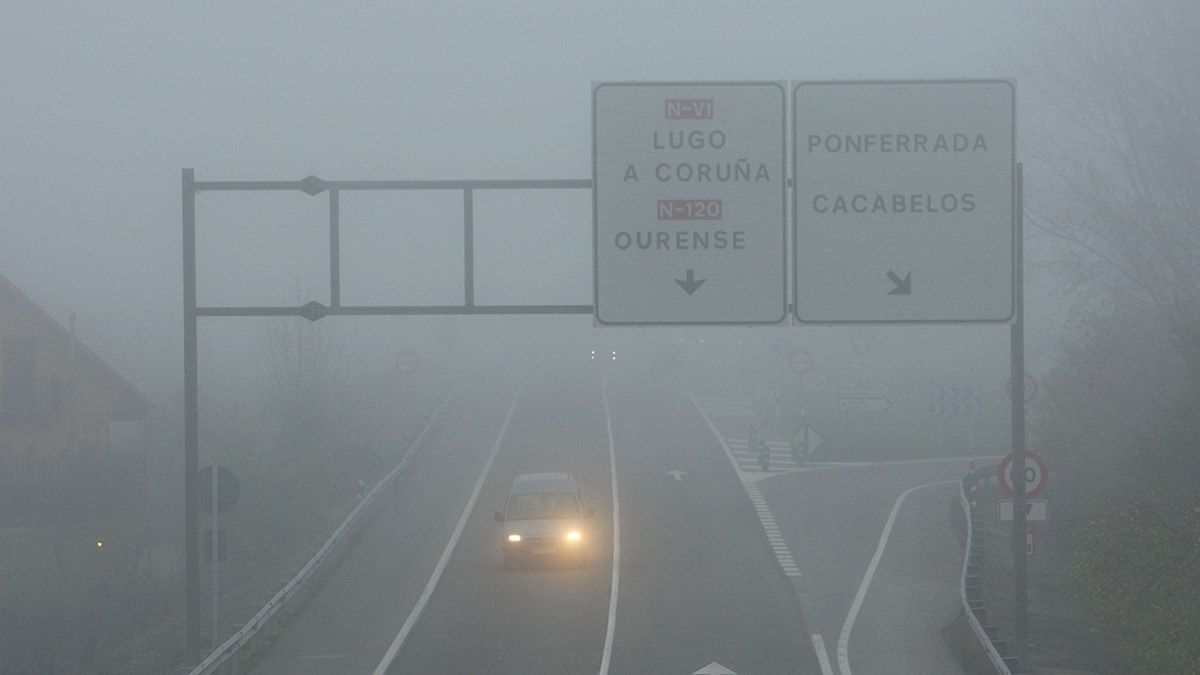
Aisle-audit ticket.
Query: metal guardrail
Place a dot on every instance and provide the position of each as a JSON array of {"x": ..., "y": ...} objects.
[
  {"x": 985, "y": 640},
  {"x": 220, "y": 656}
]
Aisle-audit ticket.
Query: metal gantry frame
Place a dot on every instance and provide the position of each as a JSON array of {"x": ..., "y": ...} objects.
[{"x": 313, "y": 311}]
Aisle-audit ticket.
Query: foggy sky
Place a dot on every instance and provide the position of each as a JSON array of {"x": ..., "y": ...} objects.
[{"x": 101, "y": 107}]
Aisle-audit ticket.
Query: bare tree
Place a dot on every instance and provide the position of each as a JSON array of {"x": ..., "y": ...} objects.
[
  {"x": 1122, "y": 80},
  {"x": 1123, "y": 158},
  {"x": 306, "y": 387}
]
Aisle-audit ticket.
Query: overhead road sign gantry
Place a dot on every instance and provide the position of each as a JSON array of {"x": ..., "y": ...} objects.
[
  {"x": 689, "y": 195},
  {"x": 904, "y": 201}
]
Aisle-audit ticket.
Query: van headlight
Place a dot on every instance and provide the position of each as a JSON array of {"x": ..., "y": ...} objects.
[
  {"x": 514, "y": 537},
  {"x": 574, "y": 535}
]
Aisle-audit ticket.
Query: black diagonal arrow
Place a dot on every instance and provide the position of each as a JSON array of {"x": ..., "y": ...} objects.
[
  {"x": 903, "y": 286},
  {"x": 691, "y": 283}
]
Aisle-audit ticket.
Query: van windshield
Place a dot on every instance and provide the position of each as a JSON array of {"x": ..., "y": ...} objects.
[{"x": 543, "y": 505}]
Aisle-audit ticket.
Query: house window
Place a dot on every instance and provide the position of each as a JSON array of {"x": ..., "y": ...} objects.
[{"x": 18, "y": 393}]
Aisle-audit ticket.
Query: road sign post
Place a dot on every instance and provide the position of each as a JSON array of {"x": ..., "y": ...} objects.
[
  {"x": 689, "y": 203},
  {"x": 215, "y": 628},
  {"x": 1017, "y": 401},
  {"x": 903, "y": 201}
]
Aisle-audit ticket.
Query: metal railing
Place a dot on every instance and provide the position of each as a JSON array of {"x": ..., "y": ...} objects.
[
  {"x": 971, "y": 591},
  {"x": 333, "y": 546}
]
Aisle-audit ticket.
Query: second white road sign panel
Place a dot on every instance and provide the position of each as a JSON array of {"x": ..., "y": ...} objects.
[{"x": 904, "y": 201}]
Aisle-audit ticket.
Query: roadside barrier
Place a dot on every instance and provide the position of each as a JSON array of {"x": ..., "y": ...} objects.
[
  {"x": 971, "y": 584},
  {"x": 224, "y": 658}
]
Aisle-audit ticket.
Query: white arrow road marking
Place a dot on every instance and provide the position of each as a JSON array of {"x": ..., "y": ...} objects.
[
  {"x": 843, "y": 649},
  {"x": 714, "y": 668},
  {"x": 415, "y": 614},
  {"x": 677, "y": 474}
]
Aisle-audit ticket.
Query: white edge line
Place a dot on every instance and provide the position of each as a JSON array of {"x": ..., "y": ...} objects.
[
  {"x": 843, "y": 648},
  {"x": 606, "y": 658},
  {"x": 822, "y": 654},
  {"x": 752, "y": 491},
  {"x": 415, "y": 614}
]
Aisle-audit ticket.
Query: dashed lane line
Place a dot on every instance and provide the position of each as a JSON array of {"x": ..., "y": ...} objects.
[
  {"x": 822, "y": 654},
  {"x": 783, "y": 555}
]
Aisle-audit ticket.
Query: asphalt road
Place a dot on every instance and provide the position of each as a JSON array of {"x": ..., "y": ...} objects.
[
  {"x": 717, "y": 566},
  {"x": 699, "y": 583},
  {"x": 877, "y": 549},
  {"x": 348, "y": 624},
  {"x": 833, "y": 520}
]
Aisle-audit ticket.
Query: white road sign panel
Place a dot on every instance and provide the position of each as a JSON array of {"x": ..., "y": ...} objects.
[
  {"x": 1035, "y": 510},
  {"x": 688, "y": 210},
  {"x": 904, "y": 201}
]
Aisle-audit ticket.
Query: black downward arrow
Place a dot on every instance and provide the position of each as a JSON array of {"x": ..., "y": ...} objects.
[
  {"x": 903, "y": 286},
  {"x": 691, "y": 283}
]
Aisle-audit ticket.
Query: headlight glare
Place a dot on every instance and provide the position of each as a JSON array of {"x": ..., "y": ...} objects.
[{"x": 514, "y": 537}]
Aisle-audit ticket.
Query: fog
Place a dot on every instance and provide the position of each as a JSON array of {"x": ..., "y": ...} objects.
[{"x": 102, "y": 107}]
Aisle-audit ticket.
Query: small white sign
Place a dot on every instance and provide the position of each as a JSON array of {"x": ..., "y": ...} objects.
[
  {"x": 1036, "y": 510},
  {"x": 689, "y": 194}
]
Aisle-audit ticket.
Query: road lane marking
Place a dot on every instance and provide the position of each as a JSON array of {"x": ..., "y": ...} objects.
[
  {"x": 783, "y": 556},
  {"x": 822, "y": 655},
  {"x": 606, "y": 658},
  {"x": 415, "y": 614},
  {"x": 843, "y": 649}
]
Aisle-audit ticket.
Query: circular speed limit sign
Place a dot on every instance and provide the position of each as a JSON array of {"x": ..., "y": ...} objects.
[
  {"x": 408, "y": 362},
  {"x": 800, "y": 361},
  {"x": 1035, "y": 474}
]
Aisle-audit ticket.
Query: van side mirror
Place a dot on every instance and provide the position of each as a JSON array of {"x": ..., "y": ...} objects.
[
  {"x": 499, "y": 517},
  {"x": 591, "y": 513}
]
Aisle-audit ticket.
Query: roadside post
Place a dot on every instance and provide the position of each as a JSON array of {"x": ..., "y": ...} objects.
[{"x": 219, "y": 492}]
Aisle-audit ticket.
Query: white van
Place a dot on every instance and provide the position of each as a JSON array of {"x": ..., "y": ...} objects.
[{"x": 544, "y": 521}]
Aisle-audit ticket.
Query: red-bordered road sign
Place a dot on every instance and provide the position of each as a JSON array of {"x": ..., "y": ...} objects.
[{"x": 1035, "y": 474}]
